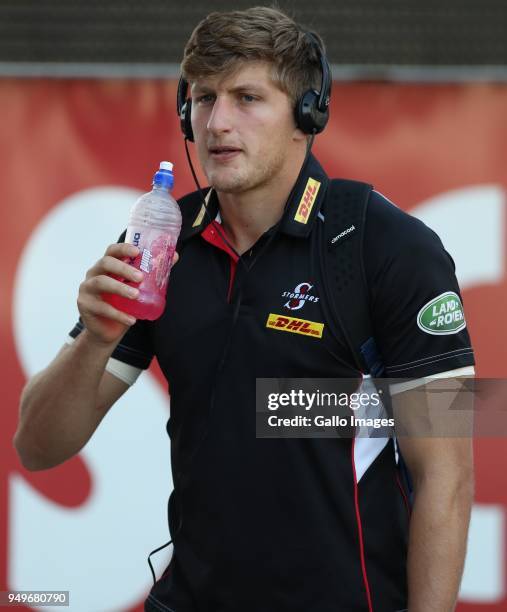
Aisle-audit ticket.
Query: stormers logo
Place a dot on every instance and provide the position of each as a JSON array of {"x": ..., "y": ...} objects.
[
  {"x": 299, "y": 296},
  {"x": 295, "y": 326},
  {"x": 307, "y": 201},
  {"x": 443, "y": 315}
]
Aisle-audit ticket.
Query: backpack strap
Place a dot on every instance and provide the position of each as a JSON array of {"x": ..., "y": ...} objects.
[
  {"x": 344, "y": 276},
  {"x": 345, "y": 286}
]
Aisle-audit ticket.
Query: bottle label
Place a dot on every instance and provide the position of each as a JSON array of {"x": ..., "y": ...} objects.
[
  {"x": 145, "y": 261},
  {"x": 155, "y": 258}
]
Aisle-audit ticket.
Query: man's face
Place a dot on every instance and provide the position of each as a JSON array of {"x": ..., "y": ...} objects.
[{"x": 243, "y": 127}]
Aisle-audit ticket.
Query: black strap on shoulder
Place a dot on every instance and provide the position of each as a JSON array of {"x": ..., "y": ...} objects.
[
  {"x": 342, "y": 254},
  {"x": 347, "y": 293}
]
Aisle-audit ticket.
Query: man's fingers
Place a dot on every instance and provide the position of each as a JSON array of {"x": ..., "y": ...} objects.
[
  {"x": 115, "y": 262},
  {"x": 111, "y": 265},
  {"x": 106, "y": 284},
  {"x": 103, "y": 309},
  {"x": 122, "y": 249}
]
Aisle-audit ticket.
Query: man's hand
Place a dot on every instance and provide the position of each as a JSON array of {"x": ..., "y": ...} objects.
[{"x": 106, "y": 324}]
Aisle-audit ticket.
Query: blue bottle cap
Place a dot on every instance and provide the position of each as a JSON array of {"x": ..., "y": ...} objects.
[{"x": 164, "y": 176}]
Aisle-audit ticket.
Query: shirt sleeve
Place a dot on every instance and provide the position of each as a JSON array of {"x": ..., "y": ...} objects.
[
  {"x": 417, "y": 309},
  {"x": 136, "y": 347},
  {"x": 408, "y": 385}
]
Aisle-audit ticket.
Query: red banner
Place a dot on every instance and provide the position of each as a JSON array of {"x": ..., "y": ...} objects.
[{"x": 74, "y": 156}]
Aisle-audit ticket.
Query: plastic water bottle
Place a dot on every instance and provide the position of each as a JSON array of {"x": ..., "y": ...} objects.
[{"x": 154, "y": 227}]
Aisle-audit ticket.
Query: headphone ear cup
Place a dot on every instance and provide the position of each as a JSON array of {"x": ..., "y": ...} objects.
[
  {"x": 309, "y": 118},
  {"x": 185, "y": 122}
]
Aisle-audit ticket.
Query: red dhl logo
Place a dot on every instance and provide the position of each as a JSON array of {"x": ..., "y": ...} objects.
[
  {"x": 307, "y": 201},
  {"x": 295, "y": 326}
]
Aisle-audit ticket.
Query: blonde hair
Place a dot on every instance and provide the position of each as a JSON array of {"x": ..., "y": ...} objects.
[{"x": 223, "y": 41}]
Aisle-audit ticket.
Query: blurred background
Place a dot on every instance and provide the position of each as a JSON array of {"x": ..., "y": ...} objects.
[{"x": 87, "y": 100}]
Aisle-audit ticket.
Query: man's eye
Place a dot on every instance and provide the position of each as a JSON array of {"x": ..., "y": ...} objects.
[
  {"x": 204, "y": 99},
  {"x": 248, "y": 98}
]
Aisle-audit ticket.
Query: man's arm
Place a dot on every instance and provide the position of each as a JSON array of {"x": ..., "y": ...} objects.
[
  {"x": 442, "y": 472},
  {"x": 62, "y": 406}
]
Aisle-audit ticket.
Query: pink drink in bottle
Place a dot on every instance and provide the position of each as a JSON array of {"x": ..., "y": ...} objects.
[{"x": 154, "y": 227}]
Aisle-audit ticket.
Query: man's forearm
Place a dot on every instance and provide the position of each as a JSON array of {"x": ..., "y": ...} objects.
[
  {"x": 437, "y": 543},
  {"x": 58, "y": 411}
]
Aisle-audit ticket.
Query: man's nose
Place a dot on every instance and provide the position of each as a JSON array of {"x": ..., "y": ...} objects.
[{"x": 220, "y": 119}]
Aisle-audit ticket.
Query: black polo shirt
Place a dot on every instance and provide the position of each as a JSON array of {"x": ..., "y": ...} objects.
[{"x": 285, "y": 525}]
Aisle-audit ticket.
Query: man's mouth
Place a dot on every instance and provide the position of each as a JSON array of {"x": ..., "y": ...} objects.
[{"x": 224, "y": 153}]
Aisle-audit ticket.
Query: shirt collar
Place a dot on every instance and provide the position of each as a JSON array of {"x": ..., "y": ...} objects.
[
  {"x": 301, "y": 210},
  {"x": 305, "y": 199},
  {"x": 195, "y": 217}
]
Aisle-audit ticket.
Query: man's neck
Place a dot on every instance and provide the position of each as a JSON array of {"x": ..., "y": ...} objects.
[{"x": 248, "y": 215}]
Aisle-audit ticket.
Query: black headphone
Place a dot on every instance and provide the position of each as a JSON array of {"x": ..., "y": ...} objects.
[{"x": 311, "y": 110}]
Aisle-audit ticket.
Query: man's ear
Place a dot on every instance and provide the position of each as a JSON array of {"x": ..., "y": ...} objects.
[{"x": 299, "y": 135}]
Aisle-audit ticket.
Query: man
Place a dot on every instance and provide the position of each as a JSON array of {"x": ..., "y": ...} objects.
[{"x": 270, "y": 525}]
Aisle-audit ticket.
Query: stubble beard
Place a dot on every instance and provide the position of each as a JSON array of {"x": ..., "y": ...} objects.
[{"x": 246, "y": 177}]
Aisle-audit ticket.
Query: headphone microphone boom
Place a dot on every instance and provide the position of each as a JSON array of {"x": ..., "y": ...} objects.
[{"x": 311, "y": 110}]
